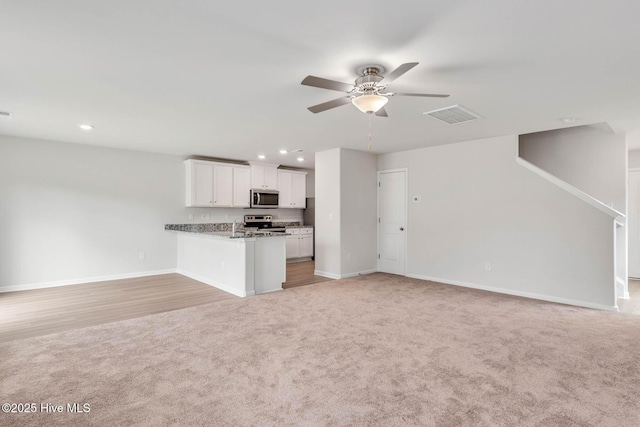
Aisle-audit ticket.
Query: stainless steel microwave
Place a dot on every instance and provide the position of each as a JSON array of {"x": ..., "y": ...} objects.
[{"x": 264, "y": 198}]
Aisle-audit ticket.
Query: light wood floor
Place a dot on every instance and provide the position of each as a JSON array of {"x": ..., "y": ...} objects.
[
  {"x": 37, "y": 312},
  {"x": 301, "y": 273}
]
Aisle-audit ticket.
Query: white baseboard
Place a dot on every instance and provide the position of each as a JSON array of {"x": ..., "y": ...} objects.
[
  {"x": 42, "y": 285},
  {"x": 272, "y": 290},
  {"x": 220, "y": 286},
  {"x": 294, "y": 260},
  {"x": 358, "y": 273},
  {"x": 327, "y": 275},
  {"x": 342, "y": 276},
  {"x": 517, "y": 293}
]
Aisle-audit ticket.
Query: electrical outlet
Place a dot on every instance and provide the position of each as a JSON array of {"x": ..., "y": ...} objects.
[
  {"x": 142, "y": 255},
  {"x": 348, "y": 257},
  {"x": 330, "y": 216},
  {"x": 190, "y": 217},
  {"x": 487, "y": 266}
]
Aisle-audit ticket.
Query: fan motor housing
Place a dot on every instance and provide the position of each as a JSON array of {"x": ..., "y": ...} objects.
[
  {"x": 368, "y": 83},
  {"x": 363, "y": 80}
]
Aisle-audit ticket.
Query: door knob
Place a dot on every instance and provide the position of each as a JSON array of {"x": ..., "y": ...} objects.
[{"x": 401, "y": 228}]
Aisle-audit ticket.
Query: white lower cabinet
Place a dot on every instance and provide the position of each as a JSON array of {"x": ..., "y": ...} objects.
[
  {"x": 306, "y": 245},
  {"x": 300, "y": 242},
  {"x": 293, "y": 246}
]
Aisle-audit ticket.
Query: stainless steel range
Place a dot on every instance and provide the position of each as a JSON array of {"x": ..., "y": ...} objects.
[{"x": 262, "y": 224}]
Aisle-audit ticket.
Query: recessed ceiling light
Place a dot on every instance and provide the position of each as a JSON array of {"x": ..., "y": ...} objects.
[
  {"x": 262, "y": 156},
  {"x": 85, "y": 127},
  {"x": 569, "y": 119},
  {"x": 300, "y": 159},
  {"x": 283, "y": 151}
]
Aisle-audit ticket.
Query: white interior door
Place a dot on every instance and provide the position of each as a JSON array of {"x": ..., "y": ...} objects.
[
  {"x": 633, "y": 222},
  {"x": 392, "y": 218}
]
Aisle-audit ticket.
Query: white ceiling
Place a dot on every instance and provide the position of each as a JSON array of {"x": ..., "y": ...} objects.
[{"x": 223, "y": 79}]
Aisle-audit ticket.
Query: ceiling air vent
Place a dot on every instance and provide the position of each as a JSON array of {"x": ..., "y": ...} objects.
[
  {"x": 6, "y": 115},
  {"x": 453, "y": 115}
]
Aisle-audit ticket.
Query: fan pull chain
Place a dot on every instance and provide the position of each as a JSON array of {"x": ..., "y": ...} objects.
[{"x": 369, "y": 146}]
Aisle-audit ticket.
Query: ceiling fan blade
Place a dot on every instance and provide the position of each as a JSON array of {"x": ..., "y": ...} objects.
[
  {"x": 382, "y": 113},
  {"x": 429, "y": 95},
  {"x": 330, "y": 104},
  {"x": 399, "y": 71},
  {"x": 326, "y": 84}
]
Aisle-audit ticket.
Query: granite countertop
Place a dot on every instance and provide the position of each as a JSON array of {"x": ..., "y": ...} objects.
[
  {"x": 223, "y": 227},
  {"x": 227, "y": 235},
  {"x": 287, "y": 224}
]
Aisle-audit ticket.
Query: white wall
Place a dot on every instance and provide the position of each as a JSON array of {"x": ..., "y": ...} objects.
[
  {"x": 587, "y": 157},
  {"x": 634, "y": 159},
  {"x": 633, "y": 140},
  {"x": 346, "y": 200},
  {"x": 327, "y": 228},
  {"x": 593, "y": 159},
  {"x": 478, "y": 206},
  {"x": 358, "y": 201},
  {"x": 73, "y": 213}
]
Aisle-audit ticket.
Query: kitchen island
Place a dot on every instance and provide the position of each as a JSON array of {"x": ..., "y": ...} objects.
[{"x": 240, "y": 265}]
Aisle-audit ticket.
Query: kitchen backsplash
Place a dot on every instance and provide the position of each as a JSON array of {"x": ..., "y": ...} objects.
[{"x": 220, "y": 215}]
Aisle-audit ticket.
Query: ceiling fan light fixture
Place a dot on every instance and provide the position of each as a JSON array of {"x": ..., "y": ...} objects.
[{"x": 369, "y": 103}]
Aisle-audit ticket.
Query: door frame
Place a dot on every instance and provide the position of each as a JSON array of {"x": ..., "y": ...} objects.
[{"x": 406, "y": 214}]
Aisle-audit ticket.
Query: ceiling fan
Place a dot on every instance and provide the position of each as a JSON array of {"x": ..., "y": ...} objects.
[{"x": 367, "y": 93}]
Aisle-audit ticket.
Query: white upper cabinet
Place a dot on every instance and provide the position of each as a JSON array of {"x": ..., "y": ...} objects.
[
  {"x": 222, "y": 185},
  {"x": 199, "y": 179},
  {"x": 284, "y": 189},
  {"x": 241, "y": 186},
  {"x": 292, "y": 188},
  {"x": 212, "y": 184},
  {"x": 299, "y": 190},
  {"x": 264, "y": 176}
]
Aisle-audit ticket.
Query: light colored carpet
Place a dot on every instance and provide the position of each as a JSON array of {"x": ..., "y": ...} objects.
[{"x": 373, "y": 350}]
